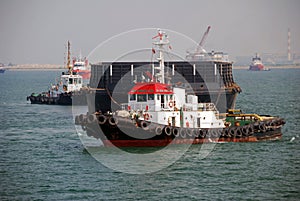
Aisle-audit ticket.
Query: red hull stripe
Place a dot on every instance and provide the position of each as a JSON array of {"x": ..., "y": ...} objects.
[{"x": 161, "y": 143}]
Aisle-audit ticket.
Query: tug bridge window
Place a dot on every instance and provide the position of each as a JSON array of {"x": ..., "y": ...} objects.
[
  {"x": 141, "y": 97},
  {"x": 132, "y": 97},
  {"x": 150, "y": 96}
]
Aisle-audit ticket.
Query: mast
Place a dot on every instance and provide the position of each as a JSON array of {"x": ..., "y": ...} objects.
[
  {"x": 289, "y": 45},
  {"x": 160, "y": 70},
  {"x": 69, "y": 66}
]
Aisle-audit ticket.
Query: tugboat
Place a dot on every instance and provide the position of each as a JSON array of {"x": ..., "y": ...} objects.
[
  {"x": 69, "y": 86},
  {"x": 257, "y": 64},
  {"x": 81, "y": 67},
  {"x": 159, "y": 114}
]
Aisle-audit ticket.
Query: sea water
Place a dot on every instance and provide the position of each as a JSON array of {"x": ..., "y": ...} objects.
[{"x": 42, "y": 157}]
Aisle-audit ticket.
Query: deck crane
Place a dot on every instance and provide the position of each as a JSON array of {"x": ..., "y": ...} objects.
[{"x": 201, "y": 43}]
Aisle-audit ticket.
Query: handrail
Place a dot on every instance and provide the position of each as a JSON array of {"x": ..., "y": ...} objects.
[{"x": 247, "y": 115}]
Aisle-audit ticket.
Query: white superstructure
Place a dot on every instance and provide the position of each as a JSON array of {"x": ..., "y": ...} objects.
[{"x": 163, "y": 104}]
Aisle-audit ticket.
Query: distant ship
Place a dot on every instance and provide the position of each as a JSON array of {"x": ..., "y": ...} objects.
[
  {"x": 69, "y": 86},
  {"x": 257, "y": 64},
  {"x": 81, "y": 67},
  {"x": 2, "y": 69}
]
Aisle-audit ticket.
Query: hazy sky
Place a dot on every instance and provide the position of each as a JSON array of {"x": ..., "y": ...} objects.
[{"x": 35, "y": 31}]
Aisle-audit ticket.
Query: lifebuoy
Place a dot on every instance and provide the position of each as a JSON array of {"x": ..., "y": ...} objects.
[
  {"x": 158, "y": 130},
  {"x": 168, "y": 130},
  {"x": 102, "y": 119},
  {"x": 187, "y": 124},
  {"x": 171, "y": 104}
]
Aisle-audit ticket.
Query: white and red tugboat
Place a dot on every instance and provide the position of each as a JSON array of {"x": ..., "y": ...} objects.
[
  {"x": 69, "y": 86},
  {"x": 257, "y": 64},
  {"x": 158, "y": 114},
  {"x": 81, "y": 67}
]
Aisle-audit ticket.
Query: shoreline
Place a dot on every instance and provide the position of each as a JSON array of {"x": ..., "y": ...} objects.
[
  {"x": 53, "y": 67},
  {"x": 269, "y": 67}
]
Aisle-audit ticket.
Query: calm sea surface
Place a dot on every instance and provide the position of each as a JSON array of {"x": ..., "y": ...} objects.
[{"x": 42, "y": 157}]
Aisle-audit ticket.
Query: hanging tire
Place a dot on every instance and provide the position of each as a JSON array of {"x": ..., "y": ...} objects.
[
  {"x": 102, "y": 119},
  {"x": 239, "y": 132},
  {"x": 245, "y": 131},
  {"x": 77, "y": 122},
  {"x": 112, "y": 121},
  {"x": 197, "y": 132},
  {"x": 215, "y": 133},
  {"x": 144, "y": 125},
  {"x": 168, "y": 130},
  {"x": 256, "y": 126},
  {"x": 226, "y": 133},
  {"x": 91, "y": 118},
  {"x": 232, "y": 131},
  {"x": 182, "y": 132},
  {"x": 190, "y": 132},
  {"x": 176, "y": 132},
  {"x": 251, "y": 129},
  {"x": 202, "y": 133},
  {"x": 82, "y": 119},
  {"x": 262, "y": 127},
  {"x": 158, "y": 130},
  {"x": 268, "y": 123}
]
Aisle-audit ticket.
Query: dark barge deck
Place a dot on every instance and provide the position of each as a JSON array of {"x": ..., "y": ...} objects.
[{"x": 211, "y": 81}]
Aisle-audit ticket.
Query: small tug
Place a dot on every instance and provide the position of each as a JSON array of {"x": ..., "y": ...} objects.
[
  {"x": 81, "y": 67},
  {"x": 69, "y": 86},
  {"x": 158, "y": 114},
  {"x": 257, "y": 64}
]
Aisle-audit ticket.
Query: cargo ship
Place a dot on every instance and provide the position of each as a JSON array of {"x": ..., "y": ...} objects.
[
  {"x": 257, "y": 64},
  {"x": 67, "y": 91},
  {"x": 159, "y": 111}
]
